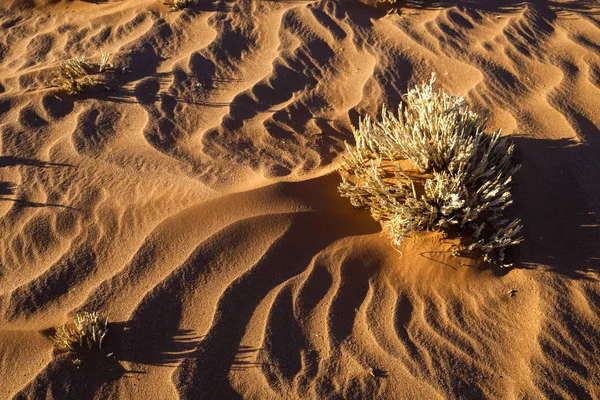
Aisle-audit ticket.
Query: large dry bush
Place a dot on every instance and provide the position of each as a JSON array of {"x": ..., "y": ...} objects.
[{"x": 433, "y": 167}]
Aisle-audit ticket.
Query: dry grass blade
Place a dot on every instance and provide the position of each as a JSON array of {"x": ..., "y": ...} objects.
[
  {"x": 86, "y": 333},
  {"x": 105, "y": 62},
  {"x": 433, "y": 167}
]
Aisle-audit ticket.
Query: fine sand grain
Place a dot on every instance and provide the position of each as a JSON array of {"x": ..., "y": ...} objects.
[{"x": 191, "y": 195}]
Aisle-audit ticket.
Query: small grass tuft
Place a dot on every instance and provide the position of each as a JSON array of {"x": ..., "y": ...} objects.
[
  {"x": 85, "y": 334},
  {"x": 105, "y": 62},
  {"x": 73, "y": 76},
  {"x": 432, "y": 167}
]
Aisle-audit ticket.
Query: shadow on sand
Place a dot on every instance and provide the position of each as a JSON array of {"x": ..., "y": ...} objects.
[
  {"x": 545, "y": 7},
  {"x": 558, "y": 198},
  {"x": 10, "y": 189}
]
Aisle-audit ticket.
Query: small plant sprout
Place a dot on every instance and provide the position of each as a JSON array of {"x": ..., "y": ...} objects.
[
  {"x": 105, "y": 62},
  {"x": 432, "y": 167},
  {"x": 177, "y": 5},
  {"x": 85, "y": 334}
]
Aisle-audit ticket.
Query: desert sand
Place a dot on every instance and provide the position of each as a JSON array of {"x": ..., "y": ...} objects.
[{"x": 191, "y": 196}]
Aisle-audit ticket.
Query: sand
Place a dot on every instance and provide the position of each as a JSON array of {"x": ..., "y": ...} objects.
[{"x": 192, "y": 197}]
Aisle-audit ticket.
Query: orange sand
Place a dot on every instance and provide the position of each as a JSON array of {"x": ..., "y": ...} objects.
[{"x": 192, "y": 197}]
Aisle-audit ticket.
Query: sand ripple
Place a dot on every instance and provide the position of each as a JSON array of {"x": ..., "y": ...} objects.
[{"x": 189, "y": 195}]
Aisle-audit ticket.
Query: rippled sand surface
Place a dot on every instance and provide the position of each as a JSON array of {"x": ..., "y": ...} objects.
[{"x": 192, "y": 197}]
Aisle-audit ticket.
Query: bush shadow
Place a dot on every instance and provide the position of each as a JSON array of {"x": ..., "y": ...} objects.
[
  {"x": 7, "y": 188},
  {"x": 558, "y": 199},
  {"x": 133, "y": 343},
  {"x": 63, "y": 379},
  {"x": 10, "y": 189},
  {"x": 11, "y": 161},
  {"x": 66, "y": 378}
]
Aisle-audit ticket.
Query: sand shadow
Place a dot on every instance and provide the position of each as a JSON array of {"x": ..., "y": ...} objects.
[
  {"x": 558, "y": 199},
  {"x": 33, "y": 204},
  {"x": 206, "y": 374},
  {"x": 9, "y": 188},
  {"x": 62, "y": 379},
  {"x": 245, "y": 358},
  {"x": 541, "y": 12},
  {"x": 11, "y": 161},
  {"x": 131, "y": 342},
  {"x": 212, "y": 6},
  {"x": 545, "y": 7},
  {"x": 161, "y": 94}
]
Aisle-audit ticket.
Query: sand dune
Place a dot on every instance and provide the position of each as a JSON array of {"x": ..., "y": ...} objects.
[{"x": 191, "y": 195}]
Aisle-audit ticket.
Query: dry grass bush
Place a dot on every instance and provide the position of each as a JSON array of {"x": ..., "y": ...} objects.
[
  {"x": 86, "y": 333},
  {"x": 434, "y": 168},
  {"x": 177, "y": 5},
  {"x": 73, "y": 76}
]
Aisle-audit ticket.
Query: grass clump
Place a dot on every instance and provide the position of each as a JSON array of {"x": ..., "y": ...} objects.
[
  {"x": 85, "y": 334},
  {"x": 177, "y": 5},
  {"x": 105, "y": 62},
  {"x": 74, "y": 76},
  {"x": 433, "y": 167}
]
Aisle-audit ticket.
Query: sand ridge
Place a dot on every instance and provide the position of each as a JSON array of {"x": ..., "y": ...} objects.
[{"x": 192, "y": 196}]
